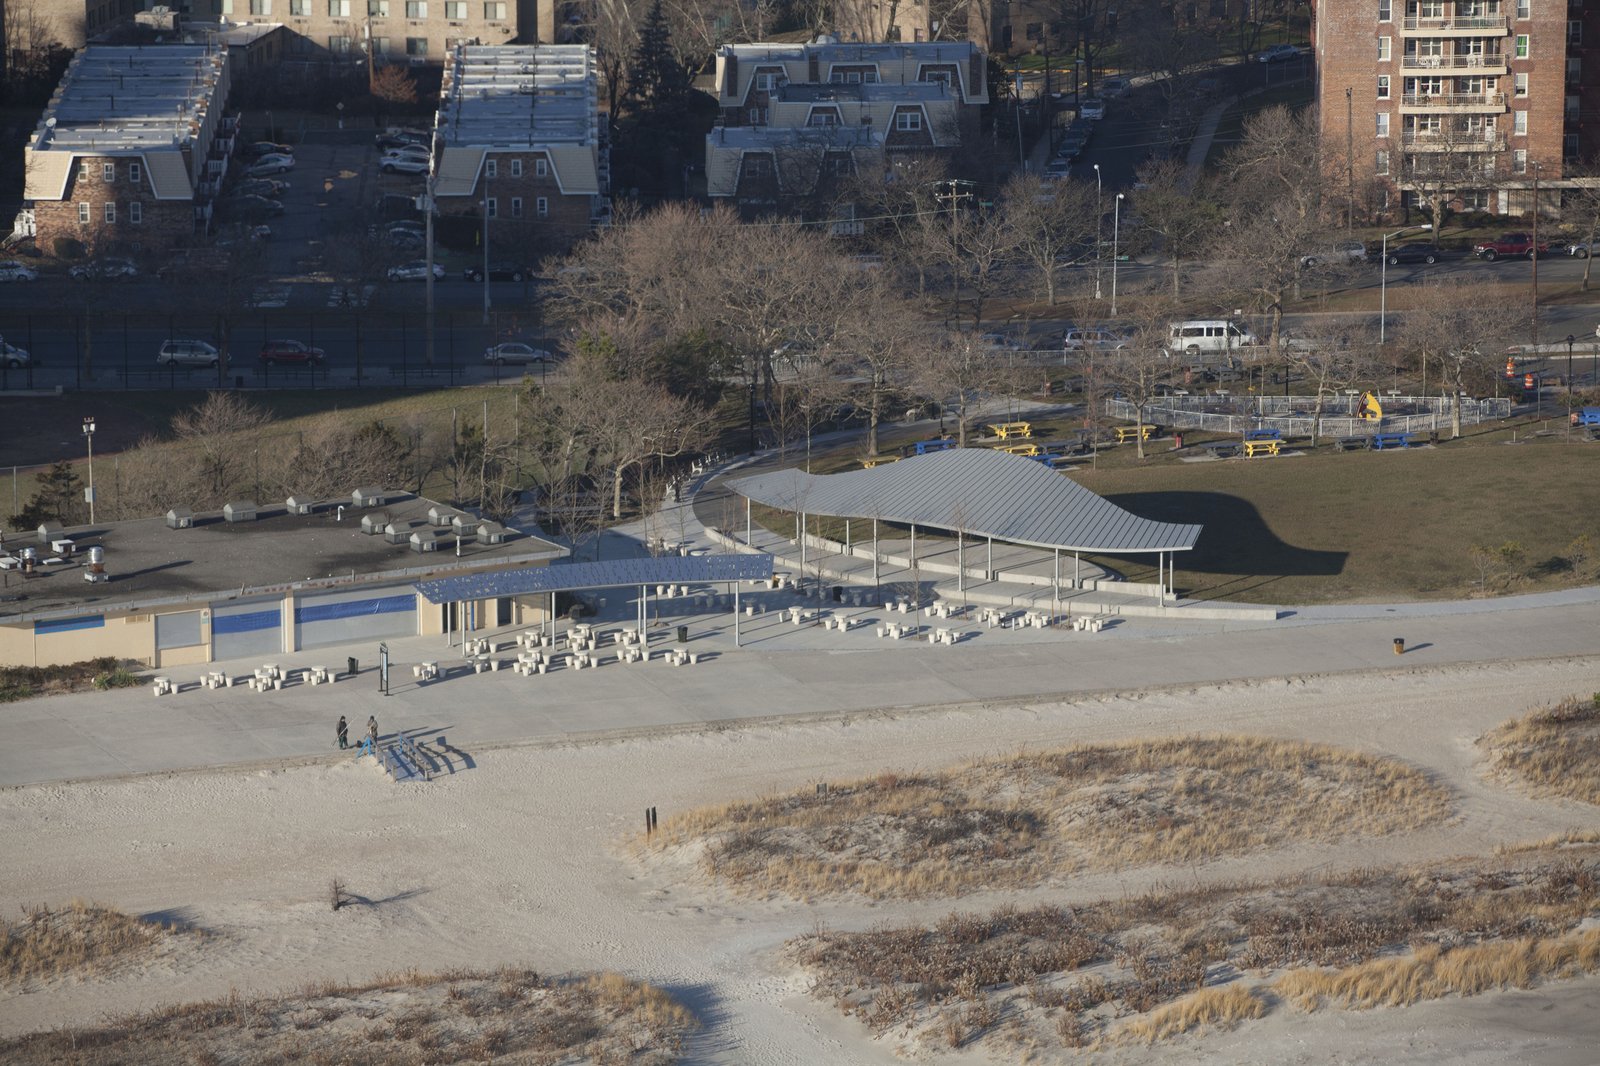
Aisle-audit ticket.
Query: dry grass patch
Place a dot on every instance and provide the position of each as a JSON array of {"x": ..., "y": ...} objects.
[
  {"x": 1553, "y": 750},
  {"x": 1152, "y": 966},
  {"x": 80, "y": 938},
  {"x": 402, "y": 1020},
  {"x": 1029, "y": 818}
]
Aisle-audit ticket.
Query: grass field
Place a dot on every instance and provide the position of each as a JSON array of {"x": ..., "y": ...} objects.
[
  {"x": 1151, "y": 967},
  {"x": 1036, "y": 817},
  {"x": 1554, "y": 751}
]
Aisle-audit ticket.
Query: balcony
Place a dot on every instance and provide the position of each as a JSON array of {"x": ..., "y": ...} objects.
[
  {"x": 1488, "y": 63},
  {"x": 1456, "y": 26},
  {"x": 1458, "y": 141},
  {"x": 1435, "y": 103}
]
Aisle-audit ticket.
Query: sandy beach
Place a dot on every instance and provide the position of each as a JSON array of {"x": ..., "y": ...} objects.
[{"x": 521, "y": 857}]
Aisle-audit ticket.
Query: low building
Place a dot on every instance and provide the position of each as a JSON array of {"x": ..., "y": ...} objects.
[
  {"x": 520, "y": 146},
  {"x": 131, "y": 149},
  {"x": 796, "y": 117},
  {"x": 255, "y": 581}
]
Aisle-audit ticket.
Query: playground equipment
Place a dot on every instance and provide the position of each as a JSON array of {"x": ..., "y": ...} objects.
[{"x": 1371, "y": 410}]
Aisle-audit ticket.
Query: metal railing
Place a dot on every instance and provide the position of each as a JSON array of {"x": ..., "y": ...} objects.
[
  {"x": 1456, "y": 23},
  {"x": 1486, "y": 61},
  {"x": 1494, "y": 100},
  {"x": 1296, "y": 415}
]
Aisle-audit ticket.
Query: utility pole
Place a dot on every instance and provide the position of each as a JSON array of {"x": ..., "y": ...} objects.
[
  {"x": 427, "y": 221},
  {"x": 1350, "y": 158},
  {"x": 1534, "y": 253},
  {"x": 88, "y": 494}
]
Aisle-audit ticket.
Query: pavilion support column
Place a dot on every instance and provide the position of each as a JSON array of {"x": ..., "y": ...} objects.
[
  {"x": 875, "y": 561},
  {"x": 1161, "y": 578},
  {"x": 988, "y": 566},
  {"x": 802, "y": 548},
  {"x": 1055, "y": 588},
  {"x": 961, "y": 564},
  {"x": 737, "y": 643},
  {"x": 913, "y": 544},
  {"x": 847, "y": 536},
  {"x": 1077, "y": 572},
  {"x": 747, "y": 541}
]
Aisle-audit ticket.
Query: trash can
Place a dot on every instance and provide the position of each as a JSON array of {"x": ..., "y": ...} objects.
[
  {"x": 238, "y": 381},
  {"x": 683, "y": 634},
  {"x": 1399, "y": 645},
  {"x": 1177, "y": 441},
  {"x": 355, "y": 667}
]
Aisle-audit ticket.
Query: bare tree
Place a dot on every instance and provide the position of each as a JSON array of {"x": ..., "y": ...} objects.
[
  {"x": 1463, "y": 331},
  {"x": 213, "y": 430},
  {"x": 1047, "y": 222},
  {"x": 1332, "y": 359},
  {"x": 958, "y": 370},
  {"x": 1138, "y": 373},
  {"x": 1175, "y": 213}
]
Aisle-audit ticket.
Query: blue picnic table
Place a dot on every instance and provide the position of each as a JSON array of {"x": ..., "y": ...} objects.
[
  {"x": 1380, "y": 441},
  {"x": 1263, "y": 434}
]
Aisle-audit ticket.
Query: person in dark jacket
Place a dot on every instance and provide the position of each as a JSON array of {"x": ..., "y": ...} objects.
[
  {"x": 344, "y": 733},
  {"x": 372, "y": 728}
]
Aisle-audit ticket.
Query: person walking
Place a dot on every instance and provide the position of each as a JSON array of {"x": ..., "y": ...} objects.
[
  {"x": 344, "y": 733},
  {"x": 372, "y": 728}
]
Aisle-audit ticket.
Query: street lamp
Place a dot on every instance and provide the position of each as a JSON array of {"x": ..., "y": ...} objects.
[
  {"x": 1099, "y": 229},
  {"x": 1571, "y": 340},
  {"x": 1383, "y": 276},
  {"x": 1116, "y": 230},
  {"x": 88, "y": 438}
]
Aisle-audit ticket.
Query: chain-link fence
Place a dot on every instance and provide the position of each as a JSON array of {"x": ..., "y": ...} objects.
[{"x": 1296, "y": 415}]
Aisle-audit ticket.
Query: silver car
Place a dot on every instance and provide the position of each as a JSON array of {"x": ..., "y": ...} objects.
[
  {"x": 514, "y": 352},
  {"x": 187, "y": 353},
  {"x": 12, "y": 357}
]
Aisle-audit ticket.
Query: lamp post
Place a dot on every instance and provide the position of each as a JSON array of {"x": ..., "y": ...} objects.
[
  {"x": 1571, "y": 340},
  {"x": 486, "y": 202},
  {"x": 88, "y": 438},
  {"x": 1533, "y": 252},
  {"x": 340, "y": 108},
  {"x": 1383, "y": 276},
  {"x": 1116, "y": 231},
  {"x": 1099, "y": 229}
]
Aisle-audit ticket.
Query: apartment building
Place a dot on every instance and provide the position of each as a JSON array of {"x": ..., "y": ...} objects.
[
  {"x": 796, "y": 117},
  {"x": 131, "y": 149},
  {"x": 520, "y": 147},
  {"x": 409, "y": 31},
  {"x": 1468, "y": 102}
]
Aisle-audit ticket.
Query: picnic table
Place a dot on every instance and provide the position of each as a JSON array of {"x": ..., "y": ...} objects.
[
  {"x": 923, "y": 447},
  {"x": 1253, "y": 448},
  {"x": 1380, "y": 441},
  {"x": 1029, "y": 450},
  {"x": 1351, "y": 444},
  {"x": 1143, "y": 431},
  {"x": 1263, "y": 434},
  {"x": 1223, "y": 449},
  {"x": 1008, "y": 430}
]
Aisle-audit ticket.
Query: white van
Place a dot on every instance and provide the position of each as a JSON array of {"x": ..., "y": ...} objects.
[{"x": 1203, "y": 340}]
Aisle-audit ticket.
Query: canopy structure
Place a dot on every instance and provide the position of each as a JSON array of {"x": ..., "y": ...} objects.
[{"x": 976, "y": 491}]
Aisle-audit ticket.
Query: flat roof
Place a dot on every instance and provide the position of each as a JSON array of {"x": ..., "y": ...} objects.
[
  {"x": 130, "y": 98},
  {"x": 853, "y": 52},
  {"x": 519, "y": 95},
  {"x": 151, "y": 565},
  {"x": 843, "y": 137}
]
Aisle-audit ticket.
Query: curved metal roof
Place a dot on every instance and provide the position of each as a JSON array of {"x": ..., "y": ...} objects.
[{"x": 978, "y": 491}]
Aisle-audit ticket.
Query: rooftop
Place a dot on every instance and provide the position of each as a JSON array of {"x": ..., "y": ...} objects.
[
  {"x": 518, "y": 95},
  {"x": 131, "y": 98},
  {"x": 828, "y": 92},
  {"x": 151, "y": 564},
  {"x": 847, "y": 52},
  {"x": 771, "y": 137}
]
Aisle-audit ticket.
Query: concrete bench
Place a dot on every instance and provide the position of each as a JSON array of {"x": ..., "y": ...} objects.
[
  {"x": 1223, "y": 451},
  {"x": 1351, "y": 444}
]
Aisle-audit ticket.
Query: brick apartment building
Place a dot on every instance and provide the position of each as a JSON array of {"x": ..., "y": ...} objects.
[
  {"x": 795, "y": 117},
  {"x": 130, "y": 150},
  {"x": 1477, "y": 97},
  {"x": 519, "y": 140}
]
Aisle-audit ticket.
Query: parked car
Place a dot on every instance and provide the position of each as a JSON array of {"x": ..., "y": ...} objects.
[
  {"x": 1093, "y": 338},
  {"x": 12, "y": 357},
  {"x": 400, "y": 136},
  {"x": 186, "y": 353},
  {"x": 1583, "y": 249},
  {"x": 12, "y": 270},
  {"x": 515, "y": 352},
  {"x": 1111, "y": 88},
  {"x": 250, "y": 207},
  {"x": 1278, "y": 53},
  {"x": 1341, "y": 252},
  {"x": 283, "y": 351},
  {"x": 1058, "y": 169},
  {"x": 417, "y": 270},
  {"x": 273, "y": 187},
  {"x": 1077, "y": 138},
  {"x": 101, "y": 269},
  {"x": 409, "y": 151},
  {"x": 257, "y": 149},
  {"x": 1413, "y": 253},
  {"x": 1092, "y": 108},
  {"x": 1004, "y": 342},
  {"x": 403, "y": 164},
  {"x": 268, "y": 165},
  {"x": 497, "y": 272},
  {"x": 1509, "y": 244}
]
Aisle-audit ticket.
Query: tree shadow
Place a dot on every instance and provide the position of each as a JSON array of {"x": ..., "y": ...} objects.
[
  {"x": 177, "y": 919},
  {"x": 354, "y": 899}
]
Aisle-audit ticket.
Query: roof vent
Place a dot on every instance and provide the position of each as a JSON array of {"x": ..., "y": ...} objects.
[
  {"x": 464, "y": 524},
  {"x": 441, "y": 516},
  {"x": 239, "y": 511},
  {"x": 374, "y": 522},
  {"x": 400, "y": 532},
  {"x": 424, "y": 540},
  {"x": 180, "y": 518},
  {"x": 49, "y": 531},
  {"x": 492, "y": 533},
  {"x": 369, "y": 496},
  {"x": 300, "y": 504}
]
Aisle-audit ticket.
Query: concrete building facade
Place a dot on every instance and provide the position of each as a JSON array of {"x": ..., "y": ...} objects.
[
  {"x": 1465, "y": 101},
  {"x": 131, "y": 150}
]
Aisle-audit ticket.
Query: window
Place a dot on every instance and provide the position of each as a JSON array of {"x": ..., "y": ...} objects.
[
  {"x": 1385, "y": 11},
  {"x": 302, "y": 8},
  {"x": 494, "y": 10},
  {"x": 492, "y": 207},
  {"x": 516, "y": 207},
  {"x": 1383, "y": 86},
  {"x": 823, "y": 118},
  {"x": 135, "y": 173},
  {"x": 108, "y": 173},
  {"x": 455, "y": 9},
  {"x": 758, "y": 116},
  {"x": 339, "y": 9},
  {"x": 1383, "y": 161},
  {"x": 908, "y": 121},
  {"x": 766, "y": 81},
  {"x": 224, "y": 7},
  {"x": 541, "y": 207},
  {"x": 339, "y": 45},
  {"x": 541, "y": 168},
  {"x": 1523, "y": 8},
  {"x": 1520, "y": 82},
  {"x": 135, "y": 213},
  {"x": 1383, "y": 49},
  {"x": 516, "y": 168},
  {"x": 416, "y": 46},
  {"x": 1574, "y": 32},
  {"x": 491, "y": 168},
  {"x": 1569, "y": 146},
  {"x": 260, "y": 7},
  {"x": 1574, "y": 70},
  {"x": 378, "y": 9},
  {"x": 83, "y": 170},
  {"x": 111, "y": 211},
  {"x": 1573, "y": 107},
  {"x": 1519, "y": 123},
  {"x": 83, "y": 214},
  {"x": 937, "y": 77},
  {"x": 1431, "y": 9},
  {"x": 416, "y": 9},
  {"x": 1519, "y": 161},
  {"x": 1383, "y": 124},
  {"x": 1522, "y": 46},
  {"x": 380, "y": 46}
]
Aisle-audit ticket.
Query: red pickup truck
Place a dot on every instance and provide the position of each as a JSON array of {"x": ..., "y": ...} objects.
[{"x": 1509, "y": 244}]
